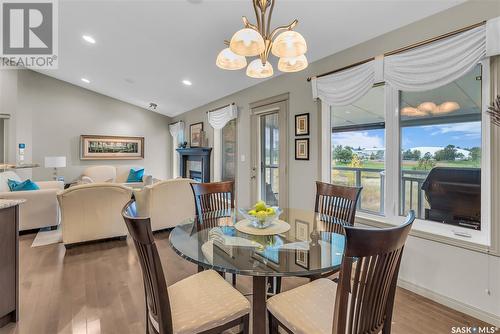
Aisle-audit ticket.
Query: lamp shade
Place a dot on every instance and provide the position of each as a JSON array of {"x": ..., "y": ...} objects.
[
  {"x": 259, "y": 71},
  {"x": 247, "y": 42},
  {"x": 228, "y": 60},
  {"x": 293, "y": 64},
  {"x": 289, "y": 44},
  {"x": 55, "y": 162}
]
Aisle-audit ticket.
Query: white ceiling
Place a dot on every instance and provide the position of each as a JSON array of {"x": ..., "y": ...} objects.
[{"x": 145, "y": 49}]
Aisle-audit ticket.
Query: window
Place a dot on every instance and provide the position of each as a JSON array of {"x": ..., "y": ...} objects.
[
  {"x": 358, "y": 148},
  {"x": 229, "y": 157},
  {"x": 440, "y": 161},
  {"x": 427, "y": 151}
]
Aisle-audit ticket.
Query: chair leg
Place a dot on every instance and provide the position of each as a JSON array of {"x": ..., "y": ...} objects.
[
  {"x": 246, "y": 324},
  {"x": 273, "y": 324},
  {"x": 234, "y": 279},
  {"x": 278, "y": 285}
]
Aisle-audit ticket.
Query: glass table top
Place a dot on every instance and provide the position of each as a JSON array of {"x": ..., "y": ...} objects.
[{"x": 309, "y": 247}]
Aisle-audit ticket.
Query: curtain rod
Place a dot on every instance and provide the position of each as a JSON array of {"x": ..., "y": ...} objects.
[
  {"x": 175, "y": 123},
  {"x": 405, "y": 48},
  {"x": 224, "y": 106}
]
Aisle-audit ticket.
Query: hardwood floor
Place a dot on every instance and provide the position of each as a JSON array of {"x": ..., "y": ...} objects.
[{"x": 98, "y": 288}]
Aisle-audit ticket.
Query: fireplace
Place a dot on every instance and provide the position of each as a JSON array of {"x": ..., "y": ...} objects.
[{"x": 195, "y": 163}]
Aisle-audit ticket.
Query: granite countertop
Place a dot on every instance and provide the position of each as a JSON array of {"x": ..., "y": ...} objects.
[{"x": 7, "y": 203}]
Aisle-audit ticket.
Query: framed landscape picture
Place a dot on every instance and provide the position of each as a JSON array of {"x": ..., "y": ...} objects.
[
  {"x": 111, "y": 147},
  {"x": 302, "y": 124},
  {"x": 302, "y": 149},
  {"x": 195, "y": 134}
]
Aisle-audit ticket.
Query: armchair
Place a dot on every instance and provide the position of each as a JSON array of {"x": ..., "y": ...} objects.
[
  {"x": 167, "y": 202},
  {"x": 91, "y": 212},
  {"x": 40, "y": 209}
]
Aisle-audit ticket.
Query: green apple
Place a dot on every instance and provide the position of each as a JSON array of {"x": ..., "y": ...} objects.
[{"x": 260, "y": 206}]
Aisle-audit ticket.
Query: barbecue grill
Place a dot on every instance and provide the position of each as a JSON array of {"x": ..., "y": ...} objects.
[{"x": 454, "y": 196}]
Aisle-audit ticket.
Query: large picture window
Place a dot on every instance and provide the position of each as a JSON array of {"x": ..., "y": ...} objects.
[
  {"x": 358, "y": 148},
  {"x": 441, "y": 152}
]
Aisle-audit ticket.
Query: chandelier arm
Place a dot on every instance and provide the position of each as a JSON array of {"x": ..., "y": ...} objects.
[
  {"x": 247, "y": 24},
  {"x": 281, "y": 28},
  {"x": 269, "y": 17},
  {"x": 254, "y": 2}
]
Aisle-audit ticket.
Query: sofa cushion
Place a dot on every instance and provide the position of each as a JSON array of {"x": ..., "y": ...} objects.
[
  {"x": 100, "y": 173},
  {"x": 22, "y": 185},
  {"x": 4, "y": 178},
  {"x": 135, "y": 175}
]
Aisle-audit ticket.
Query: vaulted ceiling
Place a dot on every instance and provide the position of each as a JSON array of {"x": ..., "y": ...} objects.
[{"x": 145, "y": 49}]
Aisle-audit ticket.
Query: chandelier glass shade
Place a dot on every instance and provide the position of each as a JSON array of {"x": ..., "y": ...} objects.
[
  {"x": 228, "y": 60},
  {"x": 430, "y": 109},
  {"x": 258, "y": 70},
  {"x": 289, "y": 44},
  {"x": 292, "y": 64},
  {"x": 247, "y": 42},
  {"x": 258, "y": 40}
]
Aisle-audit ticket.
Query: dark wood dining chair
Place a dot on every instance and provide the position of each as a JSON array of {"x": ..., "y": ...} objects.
[
  {"x": 213, "y": 200},
  {"x": 363, "y": 300},
  {"x": 336, "y": 204},
  {"x": 214, "y": 197},
  {"x": 204, "y": 297}
]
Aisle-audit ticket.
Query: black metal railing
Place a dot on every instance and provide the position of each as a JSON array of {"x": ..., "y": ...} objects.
[{"x": 372, "y": 199}]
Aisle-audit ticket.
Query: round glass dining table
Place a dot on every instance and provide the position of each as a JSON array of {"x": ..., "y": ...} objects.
[{"x": 310, "y": 247}]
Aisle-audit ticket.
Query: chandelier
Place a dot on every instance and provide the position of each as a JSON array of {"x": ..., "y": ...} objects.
[{"x": 259, "y": 40}]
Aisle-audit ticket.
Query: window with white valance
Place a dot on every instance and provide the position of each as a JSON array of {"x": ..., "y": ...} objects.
[
  {"x": 177, "y": 133},
  {"x": 219, "y": 119},
  {"x": 428, "y": 72}
]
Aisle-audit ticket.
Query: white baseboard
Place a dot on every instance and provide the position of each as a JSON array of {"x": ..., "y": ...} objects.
[{"x": 451, "y": 303}]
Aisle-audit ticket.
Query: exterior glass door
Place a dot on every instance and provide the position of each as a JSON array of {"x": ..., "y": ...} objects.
[{"x": 270, "y": 157}]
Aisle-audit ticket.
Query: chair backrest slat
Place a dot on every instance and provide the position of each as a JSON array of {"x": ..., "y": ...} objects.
[
  {"x": 334, "y": 202},
  {"x": 158, "y": 312},
  {"x": 368, "y": 277}
]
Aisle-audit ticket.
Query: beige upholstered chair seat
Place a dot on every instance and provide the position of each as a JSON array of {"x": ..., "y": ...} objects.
[
  {"x": 204, "y": 301},
  {"x": 306, "y": 309}
]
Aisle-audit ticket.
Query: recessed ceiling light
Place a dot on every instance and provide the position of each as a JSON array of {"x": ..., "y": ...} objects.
[
  {"x": 187, "y": 82},
  {"x": 85, "y": 80},
  {"x": 89, "y": 39}
]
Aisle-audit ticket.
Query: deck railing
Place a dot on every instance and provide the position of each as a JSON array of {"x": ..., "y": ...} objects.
[{"x": 371, "y": 200}]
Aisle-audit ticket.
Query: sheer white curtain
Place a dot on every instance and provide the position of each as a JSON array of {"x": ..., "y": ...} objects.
[
  {"x": 345, "y": 87},
  {"x": 177, "y": 132},
  {"x": 436, "y": 64},
  {"x": 218, "y": 120}
]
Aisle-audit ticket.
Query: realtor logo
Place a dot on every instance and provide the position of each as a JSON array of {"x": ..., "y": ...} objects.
[{"x": 29, "y": 34}]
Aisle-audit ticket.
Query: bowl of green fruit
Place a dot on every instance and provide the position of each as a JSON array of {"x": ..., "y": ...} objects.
[{"x": 261, "y": 215}]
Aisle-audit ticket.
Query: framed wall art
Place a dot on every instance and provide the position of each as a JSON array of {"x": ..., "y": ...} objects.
[
  {"x": 302, "y": 124},
  {"x": 94, "y": 147},
  {"x": 302, "y": 149},
  {"x": 196, "y": 134}
]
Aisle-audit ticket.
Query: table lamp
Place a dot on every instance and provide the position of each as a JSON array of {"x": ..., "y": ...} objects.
[{"x": 55, "y": 162}]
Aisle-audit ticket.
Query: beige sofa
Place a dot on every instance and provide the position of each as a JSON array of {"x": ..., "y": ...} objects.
[
  {"x": 167, "y": 203},
  {"x": 40, "y": 209},
  {"x": 113, "y": 174},
  {"x": 92, "y": 212}
]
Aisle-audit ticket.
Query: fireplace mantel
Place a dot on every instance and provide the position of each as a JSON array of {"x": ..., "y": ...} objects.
[{"x": 201, "y": 154}]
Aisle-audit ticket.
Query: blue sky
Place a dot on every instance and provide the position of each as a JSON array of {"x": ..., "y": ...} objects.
[{"x": 465, "y": 135}]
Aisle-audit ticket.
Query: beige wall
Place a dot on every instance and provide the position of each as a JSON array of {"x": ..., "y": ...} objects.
[
  {"x": 49, "y": 115},
  {"x": 302, "y": 174},
  {"x": 462, "y": 279}
]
